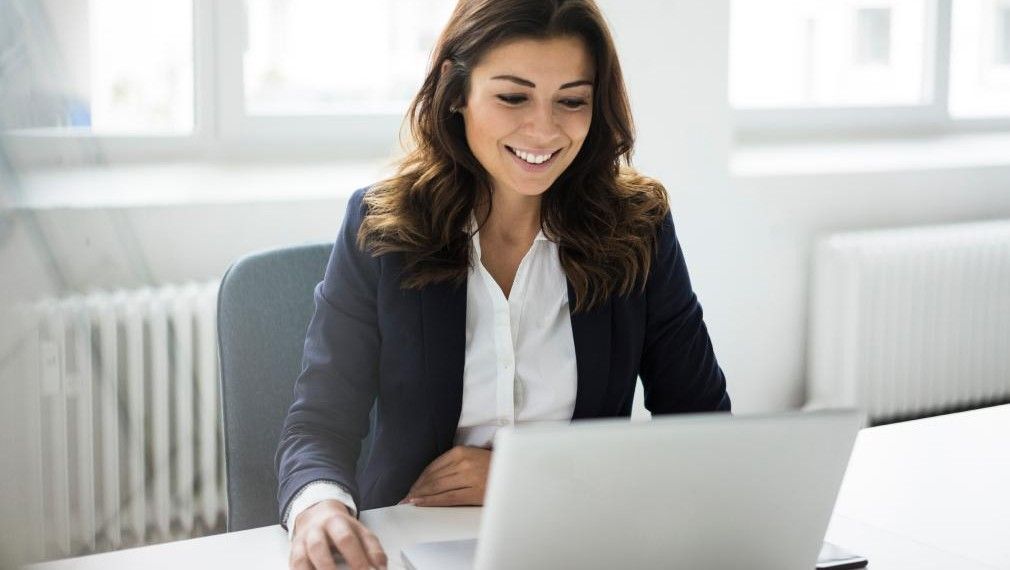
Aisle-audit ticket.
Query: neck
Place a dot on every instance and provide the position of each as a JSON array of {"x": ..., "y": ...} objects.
[{"x": 515, "y": 218}]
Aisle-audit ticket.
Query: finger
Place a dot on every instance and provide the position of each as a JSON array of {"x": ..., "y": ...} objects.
[
  {"x": 448, "y": 458},
  {"x": 427, "y": 476},
  {"x": 299, "y": 557},
  {"x": 317, "y": 546},
  {"x": 348, "y": 543},
  {"x": 458, "y": 456},
  {"x": 373, "y": 548},
  {"x": 426, "y": 480},
  {"x": 456, "y": 497},
  {"x": 454, "y": 467},
  {"x": 448, "y": 482}
]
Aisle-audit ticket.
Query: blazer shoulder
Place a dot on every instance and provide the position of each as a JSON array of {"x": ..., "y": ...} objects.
[
  {"x": 357, "y": 209},
  {"x": 666, "y": 247},
  {"x": 665, "y": 228},
  {"x": 354, "y": 216},
  {"x": 347, "y": 247}
]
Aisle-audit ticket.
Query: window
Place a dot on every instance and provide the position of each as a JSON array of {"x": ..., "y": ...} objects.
[
  {"x": 980, "y": 59},
  {"x": 873, "y": 66},
  {"x": 324, "y": 57},
  {"x": 113, "y": 66},
  {"x": 804, "y": 53},
  {"x": 331, "y": 75},
  {"x": 163, "y": 78}
]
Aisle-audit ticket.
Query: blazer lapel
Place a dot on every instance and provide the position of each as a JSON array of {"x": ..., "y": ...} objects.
[
  {"x": 591, "y": 333},
  {"x": 443, "y": 316}
]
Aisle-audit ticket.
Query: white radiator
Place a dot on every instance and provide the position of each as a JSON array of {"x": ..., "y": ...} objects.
[
  {"x": 911, "y": 322},
  {"x": 129, "y": 445}
]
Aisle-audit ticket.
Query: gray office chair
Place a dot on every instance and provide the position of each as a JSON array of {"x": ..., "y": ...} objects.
[{"x": 263, "y": 309}]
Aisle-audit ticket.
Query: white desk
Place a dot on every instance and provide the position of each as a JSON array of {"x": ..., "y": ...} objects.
[
  {"x": 924, "y": 495},
  {"x": 931, "y": 490}
]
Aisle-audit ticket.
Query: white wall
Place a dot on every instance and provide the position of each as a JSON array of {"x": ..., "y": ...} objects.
[
  {"x": 23, "y": 274},
  {"x": 675, "y": 56}
]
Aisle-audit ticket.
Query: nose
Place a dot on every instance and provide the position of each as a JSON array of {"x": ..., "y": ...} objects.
[{"x": 541, "y": 122}]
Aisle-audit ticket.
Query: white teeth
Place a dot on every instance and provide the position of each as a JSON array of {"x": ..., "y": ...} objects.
[{"x": 531, "y": 158}]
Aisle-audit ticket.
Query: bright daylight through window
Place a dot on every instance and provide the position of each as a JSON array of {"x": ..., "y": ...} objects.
[
  {"x": 980, "y": 58},
  {"x": 788, "y": 53},
  {"x": 329, "y": 57},
  {"x": 852, "y": 53},
  {"x": 115, "y": 67}
]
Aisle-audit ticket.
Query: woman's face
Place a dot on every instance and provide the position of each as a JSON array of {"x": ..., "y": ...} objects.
[{"x": 534, "y": 97}]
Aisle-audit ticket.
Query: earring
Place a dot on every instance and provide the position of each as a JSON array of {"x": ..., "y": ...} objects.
[{"x": 453, "y": 109}]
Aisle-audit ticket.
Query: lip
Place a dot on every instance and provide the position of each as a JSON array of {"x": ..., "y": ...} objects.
[{"x": 543, "y": 166}]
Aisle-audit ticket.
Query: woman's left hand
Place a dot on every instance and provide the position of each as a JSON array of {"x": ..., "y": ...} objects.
[{"x": 457, "y": 477}]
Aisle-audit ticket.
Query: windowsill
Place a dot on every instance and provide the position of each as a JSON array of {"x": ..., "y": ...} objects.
[
  {"x": 195, "y": 182},
  {"x": 927, "y": 153},
  {"x": 185, "y": 183}
]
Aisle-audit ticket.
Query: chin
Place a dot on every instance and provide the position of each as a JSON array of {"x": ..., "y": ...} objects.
[
  {"x": 533, "y": 190},
  {"x": 532, "y": 187}
]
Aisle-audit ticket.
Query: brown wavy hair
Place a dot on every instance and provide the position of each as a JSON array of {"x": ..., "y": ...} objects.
[{"x": 603, "y": 214}]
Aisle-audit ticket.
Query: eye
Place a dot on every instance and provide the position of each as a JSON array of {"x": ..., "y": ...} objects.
[
  {"x": 574, "y": 103},
  {"x": 512, "y": 99}
]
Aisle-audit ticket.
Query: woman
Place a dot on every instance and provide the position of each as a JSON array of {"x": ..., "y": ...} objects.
[{"x": 514, "y": 270}]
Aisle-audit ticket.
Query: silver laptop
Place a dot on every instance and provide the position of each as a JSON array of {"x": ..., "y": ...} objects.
[{"x": 706, "y": 491}]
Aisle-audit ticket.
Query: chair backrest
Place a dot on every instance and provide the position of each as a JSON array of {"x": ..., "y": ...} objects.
[{"x": 264, "y": 306}]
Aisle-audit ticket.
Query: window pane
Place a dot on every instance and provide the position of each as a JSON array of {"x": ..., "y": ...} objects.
[
  {"x": 102, "y": 66},
  {"x": 338, "y": 56},
  {"x": 980, "y": 58},
  {"x": 788, "y": 53}
]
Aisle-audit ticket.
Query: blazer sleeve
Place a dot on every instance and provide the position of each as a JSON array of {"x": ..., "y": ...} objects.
[
  {"x": 333, "y": 395},
  {"x": 679, "y": 370}
]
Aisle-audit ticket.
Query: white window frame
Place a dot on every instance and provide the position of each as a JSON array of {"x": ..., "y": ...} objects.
[
  {"x": 932, "y": 118},
  {"x": 221, "y": 130},
  {"x": 352, "y": 135},
  {"x": 30, "y": 147}
]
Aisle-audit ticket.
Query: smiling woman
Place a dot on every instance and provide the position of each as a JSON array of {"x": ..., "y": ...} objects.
[{"x": 516, "y": 269}]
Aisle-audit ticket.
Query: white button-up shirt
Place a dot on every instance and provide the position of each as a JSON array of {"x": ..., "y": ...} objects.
[
  {"x": 520, "y": 354},
  {"x": 520, "y": 357}
]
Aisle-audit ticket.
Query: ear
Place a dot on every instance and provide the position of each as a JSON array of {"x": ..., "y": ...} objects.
[{"x": 446, "y": 65}]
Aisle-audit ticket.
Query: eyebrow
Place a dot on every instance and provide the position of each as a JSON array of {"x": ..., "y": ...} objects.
[{"x": 529, "y": 83}]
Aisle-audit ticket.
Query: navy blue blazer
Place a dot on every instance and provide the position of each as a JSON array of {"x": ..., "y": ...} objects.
[{"x": 369, "y": 339}]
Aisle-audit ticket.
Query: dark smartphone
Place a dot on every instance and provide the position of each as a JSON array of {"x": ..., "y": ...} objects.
[{"x": 833, "y": 557}]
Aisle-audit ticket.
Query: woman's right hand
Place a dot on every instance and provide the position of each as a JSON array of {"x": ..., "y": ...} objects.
[{"x": 328, "y": 526}]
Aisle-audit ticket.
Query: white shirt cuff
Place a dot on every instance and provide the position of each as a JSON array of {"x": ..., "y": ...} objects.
[{"x": 313, "y": 493}]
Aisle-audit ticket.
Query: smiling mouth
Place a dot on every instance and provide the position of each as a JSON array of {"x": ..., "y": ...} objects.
[{"x": 532, "y": 159}]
